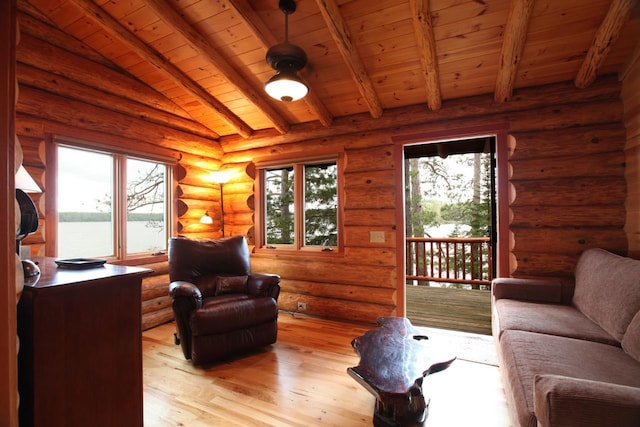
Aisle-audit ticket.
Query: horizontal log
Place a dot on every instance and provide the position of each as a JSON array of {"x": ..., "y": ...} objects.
[
  {"x": 569, "y": 141},
  {"x": 337, "y": 309},
  {"x": 568, "y": 241},
  {"x": 156, "y": 318},
  {"x": 535, "y": 216},
  {"x": 38, "y": 53},
  {"x": 201, "y": 161},
  {"x": 371, "y": 256},
  {"x": 158, "y": 268},
  {"x": 187, "y": 192},
  {"x": 545, "y": 265},
  {"x": 381, "y": 178},
  {"x": 576, "y": 165},
  {"x": 238, "y": 203},
  {"x": 570, "y": 192},
  {"x": 373, "y": 295},
  {"x": 240, "y": 218},
  {"x": 360, "y": 237},
  {"x": 370, "y": 198},
  {"x": 156, "y": 304},
  {"x": 370, "y": 217},
  {"x": 33, "y": 77},
  {"x": 156, "y": 289},
  {"x": 30, "y": 24},
  {"x": 32, "y": 151},
  {"x": 69, "y": 112},
  {"x": 370, "y": 159},
  {"x": 455, "y": 113},
  {"x": 329, "y": 269}
]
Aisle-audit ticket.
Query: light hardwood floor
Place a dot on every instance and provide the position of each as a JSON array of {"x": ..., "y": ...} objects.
[{"x": 300, "y": 381}]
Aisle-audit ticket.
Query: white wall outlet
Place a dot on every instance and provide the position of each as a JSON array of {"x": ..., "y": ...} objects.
[{"x": 376, "y": 237}]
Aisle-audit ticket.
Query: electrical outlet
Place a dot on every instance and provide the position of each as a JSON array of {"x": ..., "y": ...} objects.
[{"x": 302, "y": 306}]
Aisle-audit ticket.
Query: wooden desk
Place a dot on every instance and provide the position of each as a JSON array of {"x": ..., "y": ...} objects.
[
  {"x": 394, "y": 359},
  {"x": 80, "y": 359}
]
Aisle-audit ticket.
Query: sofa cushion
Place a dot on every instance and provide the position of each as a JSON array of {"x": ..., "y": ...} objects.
[
  {"x": 631, "y": 339},
  {"x": 608, "y": 289},
  {"x": 527, "y": 354},
  {"x": 553, "y": 319}
]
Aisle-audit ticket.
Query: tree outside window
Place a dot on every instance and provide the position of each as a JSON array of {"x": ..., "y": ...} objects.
[{"x": 301, "y": 205}]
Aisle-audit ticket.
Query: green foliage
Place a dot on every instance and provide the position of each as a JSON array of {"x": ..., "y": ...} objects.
[{"x": 320, "y": 203}]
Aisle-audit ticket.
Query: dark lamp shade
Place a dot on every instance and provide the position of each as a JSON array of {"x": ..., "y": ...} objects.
[{"x": 28, "y": 215}]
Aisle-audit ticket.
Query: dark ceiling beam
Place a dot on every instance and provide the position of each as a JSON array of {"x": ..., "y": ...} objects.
[
  {"x": 513, "y": 41},
  {"x": 260, "y": 30},
  {"x": 114, "y": 28},
  {"x": 340, "y": 34},
  {"x": 606, "y": 35},
  {"x": 234, "y": 77},
  {"x": 425, "y": 39}
]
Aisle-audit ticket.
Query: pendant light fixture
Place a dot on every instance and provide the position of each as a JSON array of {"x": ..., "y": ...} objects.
[{"x": 287, "y": 59}]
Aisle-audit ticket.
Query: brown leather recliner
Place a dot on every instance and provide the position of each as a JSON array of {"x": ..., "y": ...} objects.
[{"x": 221, "y": 308}]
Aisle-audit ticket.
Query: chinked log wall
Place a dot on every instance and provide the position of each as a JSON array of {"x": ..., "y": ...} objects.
[
  {"x": 567, "y": 158},
  {"x": 567, "y": 191}
]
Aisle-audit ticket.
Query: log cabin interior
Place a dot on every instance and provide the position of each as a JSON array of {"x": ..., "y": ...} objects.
[{"x": 557, "y": 83}]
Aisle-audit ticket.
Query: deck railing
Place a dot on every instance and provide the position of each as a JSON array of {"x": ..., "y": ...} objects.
[{"x": 458, "y": 260}]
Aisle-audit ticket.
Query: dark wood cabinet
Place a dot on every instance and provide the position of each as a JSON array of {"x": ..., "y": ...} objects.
[{"x": 80, "y": 357}]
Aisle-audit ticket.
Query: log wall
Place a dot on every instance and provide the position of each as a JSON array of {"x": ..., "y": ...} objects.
[
  {"x": 567, "y": 186},
  {"x": 81, "y": 96},
  {"x": 567, "y": 192},
  {"x": 631, "y": 101}
]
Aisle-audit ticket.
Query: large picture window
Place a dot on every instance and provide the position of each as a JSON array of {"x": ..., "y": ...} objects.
[
  {"x": 300, "y": 206},
  {"x": 111, "y": 205}
]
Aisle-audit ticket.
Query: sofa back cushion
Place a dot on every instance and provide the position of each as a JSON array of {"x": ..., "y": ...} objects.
[
  {"x": 608, "y": 290},
  {"x": 631, "y": 339}
]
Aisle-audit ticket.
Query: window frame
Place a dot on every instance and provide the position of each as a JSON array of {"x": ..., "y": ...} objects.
[
  {"x": 298, "y": 247},
  {"x": 120, "y": 156}
]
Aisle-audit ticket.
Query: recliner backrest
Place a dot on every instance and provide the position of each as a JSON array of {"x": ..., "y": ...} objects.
[{"x": 190, "y": 259}]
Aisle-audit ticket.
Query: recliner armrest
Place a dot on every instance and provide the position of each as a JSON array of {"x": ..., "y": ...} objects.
[
  {"x": 527, "y": 290},
  {"x": 181, "y": 288},
  {"x": 565, "y": 401},
  {"x": 262, "y": 284}
]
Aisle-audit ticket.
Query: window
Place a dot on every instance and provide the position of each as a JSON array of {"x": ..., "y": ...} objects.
[
  {"x": 300, "y": 206},
  {"x": 111, "y": 205}
]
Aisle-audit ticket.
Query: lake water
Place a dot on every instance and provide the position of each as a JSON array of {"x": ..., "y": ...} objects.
[{"x": 94, "y": 239}]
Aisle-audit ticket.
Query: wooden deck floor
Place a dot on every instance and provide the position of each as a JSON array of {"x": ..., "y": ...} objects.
[{"x": 448, "y": 308}]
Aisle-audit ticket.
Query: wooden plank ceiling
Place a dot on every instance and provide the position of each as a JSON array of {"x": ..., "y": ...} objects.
[{"x": 208, "y": 56}]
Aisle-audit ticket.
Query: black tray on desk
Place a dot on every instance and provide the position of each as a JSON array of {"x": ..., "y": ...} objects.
[{"x": 80, "y": 263}]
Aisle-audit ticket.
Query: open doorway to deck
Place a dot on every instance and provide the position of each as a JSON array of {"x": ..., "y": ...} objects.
[{"x": 450, "y": 232}]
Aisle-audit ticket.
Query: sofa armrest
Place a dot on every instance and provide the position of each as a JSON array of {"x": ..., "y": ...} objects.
[
  {"x": 565, "y": 401},
  {"x": 536, "y": 290},
  {"x": 262, "y": 284}
]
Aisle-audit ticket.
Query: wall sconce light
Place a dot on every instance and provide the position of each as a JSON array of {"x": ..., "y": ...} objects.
[
  {"x": 221, "y": 178},
  {"x": 206, "y": 219}
]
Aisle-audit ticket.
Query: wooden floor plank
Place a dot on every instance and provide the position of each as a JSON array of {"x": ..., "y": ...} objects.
[{"x": 301, "y": 381}]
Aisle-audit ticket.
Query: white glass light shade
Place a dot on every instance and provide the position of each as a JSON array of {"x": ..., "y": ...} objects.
[
  {"x": 286, "y": 86},
  {"x": 25, "y": 183},
  {"x": 206, "y": 219}
]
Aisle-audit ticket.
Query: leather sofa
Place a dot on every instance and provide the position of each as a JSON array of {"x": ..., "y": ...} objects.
[
  {"x": 221, "y": 308},
  {"x": 570, "y": 355}
]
